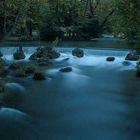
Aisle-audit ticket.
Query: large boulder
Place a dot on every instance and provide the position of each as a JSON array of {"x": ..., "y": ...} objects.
[
  {"x": 19, "y": 54},
  {"x": 138, "y": 73},
  {"x": 66, "y": 69},
  {"x": 138, "y": 69},
  {"x": 44, "y": 53},
  {"x": 20, "y": 73},
  {"x": 110, "y": 59},
  {"x": 53, "y": 54},
  {"x": 1, "y": 54},
  {"x": 39, "y": 76},
  {"x": 78, "y": 52},
  {"x": 14, "y": 66},
  {"x": 30, "y": 69},
  {"x": 3, "y": 71},
  {"x": 2, "y": 63},
  {"x": 44, "y": 61},
  {"x": 2, "y": 85},
  {"x": 132, "y": 56}
]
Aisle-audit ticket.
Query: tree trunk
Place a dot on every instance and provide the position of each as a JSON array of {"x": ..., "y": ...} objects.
[
  {"x": 106, "y": 19},
  {"x": 86, "y": 7},
  {"x": 4, "y": 18}
]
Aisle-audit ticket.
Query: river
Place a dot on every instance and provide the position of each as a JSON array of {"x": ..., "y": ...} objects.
[{"x": 98, "y": 100}]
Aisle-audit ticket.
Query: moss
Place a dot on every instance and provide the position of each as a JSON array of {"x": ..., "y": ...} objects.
[
  {"x": 20, "y": 73},
  {"x": 38, "y": 75},
  {"x": 138, "y": 69},
  {"x": 2, "y": 85},
  {"x": 30, "y": 69},
  {"x": 1, "y": 54},
  {"x": 19, "y": 54},
  {"x": 14, "y": 66},
  {"x": 2, "y": 63},
  {"x": 78, "y": 52}
]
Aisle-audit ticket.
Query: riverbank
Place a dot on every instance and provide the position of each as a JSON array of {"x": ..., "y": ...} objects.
[{"x": 96, "y": 43}]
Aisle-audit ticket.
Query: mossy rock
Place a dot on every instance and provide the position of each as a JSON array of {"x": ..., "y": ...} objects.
[
  {"x": 39, "y": 76},
  {"x": 30, "y": 69},
  {"x": 2, "y": 63},
  {"x": 14, "y": 66},
  {"x": 132, "y": 57},
  {"x": 44, "y": 52},
  {"x": 54, "y": 54},
  {"x": 20, "y": 73},
  {"x": 2, "y": 85},
  {"x": 78, "y": 52},
  {"x": 1, "y": 54},
  {"x": 66, "y": 69},
  {"x": 19, "y": 54}
]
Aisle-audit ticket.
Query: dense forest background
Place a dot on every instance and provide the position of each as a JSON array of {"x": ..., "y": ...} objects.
[{"x": 69, "y": 19}]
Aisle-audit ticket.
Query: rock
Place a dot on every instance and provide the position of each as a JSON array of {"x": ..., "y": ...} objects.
[
  {"x": 39, "y": 76},
  {"x": 33, "y": 56},
  {"x": 1, "y": 54},
  {"x": 44, "y": 53},
  {"x": 66, "y": 59},
  {"x": 19, "y": 54},
  {"x": 1, "y": 89},
  {"x": 78, "y": 52},
  {"x": 44, "y": 62},
  {"x": 110, "y": 59},
  {"x": 66, "y": 69},
  {"x": 2, "y": 85},
  {"x": 132, "y": 56},
  {"x": 138, "y": 69},
  {"x": 30, "y": 69},
  {"x": 138, "y": 73},
  {"x": 20, "y": 73},
  {"x": 126, "y": 63},
  {"x": 3, "y": 71},
  {"x": 14, "y": 66},
  {"x": 53, "y": 54},
  {"x": 2, "y": 63}
]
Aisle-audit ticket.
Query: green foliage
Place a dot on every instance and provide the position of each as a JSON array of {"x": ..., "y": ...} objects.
[{"x": 87, "y": 28}]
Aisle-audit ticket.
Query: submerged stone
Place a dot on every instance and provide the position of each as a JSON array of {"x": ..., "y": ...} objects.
[
  {"x": 2, "y": 63},
  {"x": 132, "y": 56},
  {"x": 1, "y": 54},
  {"x": 44, "y": 61},
  {"x": 1, "y": 88},
  {"x": 30, "y": 69},
  {"x": 39, "y": 76},
  {"x": 20, "y": 73},
  {"x": 138, "y": 73},
  {"x": 110, "y": 59},
  {"x": 126, "y": 63},
  {"x": 14, "y": 66},
  {"x": 16, "y": 125},
  {"x": 66, "y": 69}
]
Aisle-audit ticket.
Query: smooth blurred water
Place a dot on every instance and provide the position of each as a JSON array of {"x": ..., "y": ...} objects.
[{"x": 98, "y": 100}]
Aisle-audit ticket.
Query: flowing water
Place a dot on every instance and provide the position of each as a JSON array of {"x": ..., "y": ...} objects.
[{"x": 98, "y": 100}]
